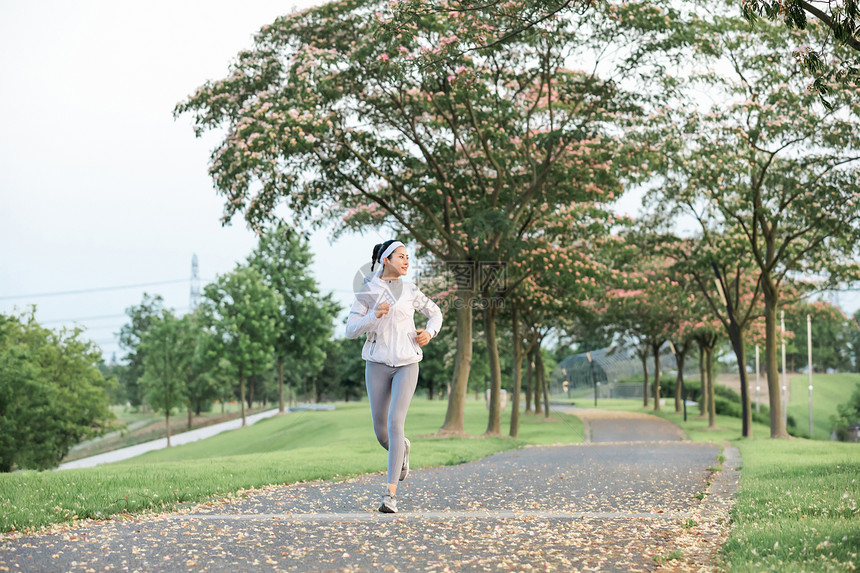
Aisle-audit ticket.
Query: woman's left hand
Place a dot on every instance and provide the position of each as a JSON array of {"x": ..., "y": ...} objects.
[{"x": 422, "y": 337}]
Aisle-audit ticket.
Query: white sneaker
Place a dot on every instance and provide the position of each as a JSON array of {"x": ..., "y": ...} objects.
[
  {"x": 404, "y": 472},
  {"x": 389, "y": 504}
]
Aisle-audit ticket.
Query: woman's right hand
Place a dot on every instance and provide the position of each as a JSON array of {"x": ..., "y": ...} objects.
[{"x": 381, "y": 308}]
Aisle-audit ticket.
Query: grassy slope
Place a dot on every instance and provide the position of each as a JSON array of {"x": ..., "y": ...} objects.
[
  {"x": 828, "y": 392},
  {"x": 295, "y": 447}
]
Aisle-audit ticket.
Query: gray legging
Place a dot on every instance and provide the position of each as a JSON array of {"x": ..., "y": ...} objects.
[{"x": 390, "y": 390}]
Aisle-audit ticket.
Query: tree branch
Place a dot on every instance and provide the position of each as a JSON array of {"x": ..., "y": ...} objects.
[{"x": 851, "y": 42}]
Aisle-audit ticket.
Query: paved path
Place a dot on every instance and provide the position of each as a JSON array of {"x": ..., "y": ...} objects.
[
  {"x": 161, "y": 443},
  {"x": 605, "y": 506},
  {"x": 608, "y": 426}
]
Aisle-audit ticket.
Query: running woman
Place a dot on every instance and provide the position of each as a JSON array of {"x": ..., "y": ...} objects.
[{"x": 384, "y": 308}]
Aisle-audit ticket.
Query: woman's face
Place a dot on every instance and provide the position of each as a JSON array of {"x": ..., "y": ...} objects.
[{"x": 398, "y": 262}]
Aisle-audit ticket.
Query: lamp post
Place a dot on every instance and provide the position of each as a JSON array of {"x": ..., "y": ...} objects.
[{"x": 593, "y": 379}]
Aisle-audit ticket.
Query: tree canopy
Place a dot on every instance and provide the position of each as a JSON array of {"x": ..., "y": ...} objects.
[{"x": 52, "y": 393}]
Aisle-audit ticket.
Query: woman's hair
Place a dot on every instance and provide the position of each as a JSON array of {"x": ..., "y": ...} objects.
[{"x": 378, "y": 249}]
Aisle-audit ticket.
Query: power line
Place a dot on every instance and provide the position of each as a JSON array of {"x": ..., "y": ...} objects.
[
  {"x": 89, "y": 290},
  {"x": 102, "y": 328},
  {"x": 121, "y": 287},
  {"x": 103, "y": 317}
]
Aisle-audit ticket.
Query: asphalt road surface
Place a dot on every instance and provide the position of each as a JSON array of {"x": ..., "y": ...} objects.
[{"x": 635, "y": 498}]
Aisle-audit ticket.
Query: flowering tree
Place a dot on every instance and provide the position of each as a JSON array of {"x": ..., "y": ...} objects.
[
  {"x": 335, "y": 117},
  {"x": 726, "y": 280},
  {"x": 551, "y": 280},
  {"x": 768, "y": 164},
  {"x": 707, "y": 336},
  {"x": 647, "y": 304},
  {"x": 841, "y": 37}
]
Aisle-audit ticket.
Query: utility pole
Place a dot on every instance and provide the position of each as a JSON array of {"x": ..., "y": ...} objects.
[
  {"x": 194, "y": 296},
  {"x": 593, "y": 379},
  {"x": 809, "y": 352}
]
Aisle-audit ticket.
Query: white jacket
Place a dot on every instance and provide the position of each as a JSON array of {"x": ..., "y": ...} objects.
[{"x": 391, "y": 338}]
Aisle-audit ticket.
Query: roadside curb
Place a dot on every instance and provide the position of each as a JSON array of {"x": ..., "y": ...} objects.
[{"x": 701, "y": 544}]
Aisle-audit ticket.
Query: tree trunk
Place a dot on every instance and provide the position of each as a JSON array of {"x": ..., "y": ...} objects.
[
  {"x": 656, "y": 349},
  {"x": 541, "y": 374},
  {"x": 281, "y": 408},
  {"x": 737, "y": 341},
  {"x": 538, "y": 388},
  {"x": 494, "y": 424},
  {"x": 771, "y": 298},
  {"x": 431, "y": 389},
  {"x": 517, "y": 373},
  {"x": 709, "y": 365},
  {"x": 736, "y": 337},
  {"x": 680, "y": 356},
  {"x": 250, "y": 393},
  {"x": 189, "y": 417},
  {"x": 703, "y": 381},
  {"x": 242, "y": 395},
  {"x": 167, "y": 423},
  {"x": 644, "y": 358},
  {"x": 530, "y": 381},
  {"x": 454, "y": 416},
  {"x": 536, "y": 377}
]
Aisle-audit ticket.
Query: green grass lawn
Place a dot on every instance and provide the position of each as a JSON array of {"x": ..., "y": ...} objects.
[
  {"x": 797, "y": 507},
  {"x": 828, "y": 392},
  {"x": 128, "y": 415},
  {"x": 296, "y": 447}
]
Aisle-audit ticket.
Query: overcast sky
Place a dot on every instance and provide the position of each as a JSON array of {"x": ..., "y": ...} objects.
[{"x": 99, "y": 186}]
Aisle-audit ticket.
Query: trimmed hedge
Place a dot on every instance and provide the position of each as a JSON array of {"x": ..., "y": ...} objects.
[{"x": 727, "y": 402}]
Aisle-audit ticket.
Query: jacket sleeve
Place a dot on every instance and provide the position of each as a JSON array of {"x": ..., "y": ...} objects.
[
  {"x": 359, "y": 320},
  {"x": 430, "y": 309}
]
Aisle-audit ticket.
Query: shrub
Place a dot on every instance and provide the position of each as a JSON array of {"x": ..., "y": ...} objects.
[{"x": 52, "y": 393}]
